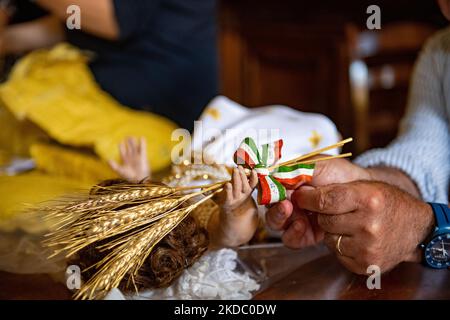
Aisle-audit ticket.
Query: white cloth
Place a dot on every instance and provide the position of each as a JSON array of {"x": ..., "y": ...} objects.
[
  {"x": 224, "y": 124},
  {"x": 213, "y": 276}
]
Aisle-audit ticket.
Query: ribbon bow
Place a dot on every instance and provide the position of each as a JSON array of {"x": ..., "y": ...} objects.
[{"x": 272, "y": 183}]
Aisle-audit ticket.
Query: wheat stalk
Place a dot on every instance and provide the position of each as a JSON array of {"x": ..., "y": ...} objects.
[
  {"x": 75, "y": 234},
  {"x": 76, "y": 210},
  {"x": 154, "y": 213},
  {"x": 130, "y": 252},
  {"x": 84, "y": 233}
]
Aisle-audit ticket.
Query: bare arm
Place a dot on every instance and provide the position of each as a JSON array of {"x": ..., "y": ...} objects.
[
  {"x": 23, "y": 37},
  {"x": 97, "y": 16}
]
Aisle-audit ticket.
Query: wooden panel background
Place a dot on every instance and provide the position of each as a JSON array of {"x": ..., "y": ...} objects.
[{"x": 298, "y": 52}]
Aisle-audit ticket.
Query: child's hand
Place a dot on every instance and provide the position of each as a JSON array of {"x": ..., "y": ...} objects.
[
  {"x": 238, "y": 218},
  {"x": 134, "y": 165},
  {"x": 238, "y": 191}
]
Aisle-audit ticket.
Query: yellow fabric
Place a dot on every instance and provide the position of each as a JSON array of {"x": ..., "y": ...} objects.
[
  {"x": 61, "y": 161},
  {"x": 16, "y": 136},
  {"x": 20, "y": 192},
  {"x": 52, "y": 95},
  {"x": 56, "y": 90}
]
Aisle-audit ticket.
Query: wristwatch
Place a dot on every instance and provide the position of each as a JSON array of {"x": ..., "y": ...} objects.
[{"x": 436, "y": 249}]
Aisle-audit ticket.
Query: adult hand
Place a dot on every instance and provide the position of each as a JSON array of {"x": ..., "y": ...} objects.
[
  {"x": 299, "y": 226},
  {"x": 379, "y": 223}
]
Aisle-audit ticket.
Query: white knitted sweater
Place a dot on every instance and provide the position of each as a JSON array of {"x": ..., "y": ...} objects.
[{"x": 422, "y": 149}]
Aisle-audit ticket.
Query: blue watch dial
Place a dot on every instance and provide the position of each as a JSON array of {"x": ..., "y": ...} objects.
[{"x": 437, "y": 252}]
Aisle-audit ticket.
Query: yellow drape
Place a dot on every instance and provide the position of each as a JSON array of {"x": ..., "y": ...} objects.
[
  {"x": 55, "y": 90},
  {"x": 52, "y": 109}
]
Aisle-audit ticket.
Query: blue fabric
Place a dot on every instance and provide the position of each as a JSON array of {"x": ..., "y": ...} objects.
[{"x": 165, "y": 60}]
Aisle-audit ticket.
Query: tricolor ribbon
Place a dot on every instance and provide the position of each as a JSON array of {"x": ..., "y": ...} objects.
[{"x": 272, "y": 183}]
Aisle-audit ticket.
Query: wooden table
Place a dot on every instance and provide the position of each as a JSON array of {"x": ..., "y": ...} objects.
[
  {"x": 317, "y": 274},
  {"x": 312, "y": 273}
]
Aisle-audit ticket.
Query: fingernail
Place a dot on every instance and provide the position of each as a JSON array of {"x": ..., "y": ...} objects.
[{"x": 307, "y": 188}]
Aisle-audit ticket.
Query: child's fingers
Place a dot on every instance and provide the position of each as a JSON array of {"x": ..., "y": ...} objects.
[
  {"x": 237, "y": 184},
  {"x": 123, "y": 150},
  {"x": 129, "y": 149},
  {"x": 132, "y": 145},
  {"x": 225, "y": 196},
  {"x": 142, "y": 146},
  {"x": 228, "y": 191},
  {"x": 253, "y": 179},
  {"x": 245, "y": 186},
  {"x": 116, "y": 167}
]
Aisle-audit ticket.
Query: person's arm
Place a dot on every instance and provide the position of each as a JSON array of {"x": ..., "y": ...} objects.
[
  {"x": 23, "y": 37},
  {"x": 418, "y": 160},
  {"x": 97, "y": 17},
  {"x": 395, "y": 177}
]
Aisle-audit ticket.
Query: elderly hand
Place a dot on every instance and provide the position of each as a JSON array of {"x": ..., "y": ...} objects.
[
  {"x": 300, "y": 228},
  {"x": 379, "y": 223}
]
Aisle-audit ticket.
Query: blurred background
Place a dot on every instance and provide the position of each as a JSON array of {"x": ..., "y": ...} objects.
[{"x": 319, "y": 56}]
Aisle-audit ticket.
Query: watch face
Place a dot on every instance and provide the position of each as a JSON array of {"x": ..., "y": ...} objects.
[{"x": 437, "y": 252}]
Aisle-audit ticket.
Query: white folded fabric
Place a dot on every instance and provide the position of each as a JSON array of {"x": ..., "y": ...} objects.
[
  {"x": 213, "y": 277},
  {"x": 224, "y": 124}
]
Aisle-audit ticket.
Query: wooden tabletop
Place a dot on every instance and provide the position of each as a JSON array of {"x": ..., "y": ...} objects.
[
  {"x": 319, "y": 275},
  {"x": 312, "y": 273}
]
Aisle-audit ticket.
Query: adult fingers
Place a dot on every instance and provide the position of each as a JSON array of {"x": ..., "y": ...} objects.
[
  {"x": 278, "y": 215},
  {"x": 345, "y": 244},
  {"x": 293, "y": 237},
  {"x": 348, "y": 255},
  {"x": 351, "y": 265},
  {"x": 331, "y": 199},
  {"x": 339, "y": 224}
]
